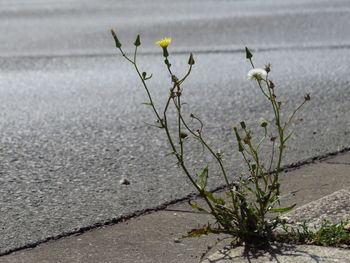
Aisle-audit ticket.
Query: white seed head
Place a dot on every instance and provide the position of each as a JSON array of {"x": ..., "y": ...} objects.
[{"x": 257, "y": 73}]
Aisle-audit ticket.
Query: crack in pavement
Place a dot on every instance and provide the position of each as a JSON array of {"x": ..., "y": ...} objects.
[{"x": 338, "y": 163}]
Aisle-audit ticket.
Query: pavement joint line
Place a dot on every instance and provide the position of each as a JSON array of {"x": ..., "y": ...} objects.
[
  {"x": 182, "y": 52},
  {"x": 161, "y": 207},
  {"x": 338, "y": 163}
]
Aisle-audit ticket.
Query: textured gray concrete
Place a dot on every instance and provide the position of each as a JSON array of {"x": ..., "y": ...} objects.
[
  {"x": 156, "y": 237},
  {"x": 334, "y": 208},
  {"x": 282, "y": 254},
  {"x": 72, "y": 126}
]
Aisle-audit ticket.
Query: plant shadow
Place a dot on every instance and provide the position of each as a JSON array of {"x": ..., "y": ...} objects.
[{"x": 273, "y": 253}]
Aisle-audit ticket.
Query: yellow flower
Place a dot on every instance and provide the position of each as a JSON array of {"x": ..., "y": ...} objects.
[{"x": 164, "y": 42}]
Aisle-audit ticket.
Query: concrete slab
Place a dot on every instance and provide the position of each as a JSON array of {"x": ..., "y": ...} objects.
[
  {"x": 339, "y": 159},
  {"x": 282, "y": 254},
  {"x": 334, "y": 207},
  {"x": 314, "y": 181}
]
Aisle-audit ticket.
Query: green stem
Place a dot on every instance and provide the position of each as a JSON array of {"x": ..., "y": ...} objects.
[{"x": 295, "y": 111}]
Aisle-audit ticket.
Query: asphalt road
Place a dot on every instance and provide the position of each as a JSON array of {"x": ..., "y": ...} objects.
[{"x": 71, "y": 119}]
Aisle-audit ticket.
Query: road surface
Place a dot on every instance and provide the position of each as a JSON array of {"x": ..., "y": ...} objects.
[{"x": 71, "y": 119}]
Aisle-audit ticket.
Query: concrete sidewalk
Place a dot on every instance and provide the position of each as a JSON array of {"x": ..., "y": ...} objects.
[
  {"x": 334, "y": 207},
  {"x": 155, "y": 237}
]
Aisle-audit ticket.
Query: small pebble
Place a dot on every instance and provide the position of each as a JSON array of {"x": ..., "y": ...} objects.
[
  {"x": 347, "y": 227},
  {"x": 124, "y": 181}
]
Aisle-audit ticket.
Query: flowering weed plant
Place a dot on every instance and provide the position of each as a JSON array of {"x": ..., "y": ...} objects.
[{"x": 242, "y": 213}]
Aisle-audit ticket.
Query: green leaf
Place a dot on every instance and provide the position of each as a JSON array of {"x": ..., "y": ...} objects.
[
  {"x": 215, "y": 200},
  {"x": 287, "y": 137},
  {"x": 240, "y": 147},
  {"x": 249, "y": 55},
  {"x": 219, "y": 154},
  {"x": 147, "y": 103},
  {"x": 282, "y": 210},
  {"x": 197, "y": 232},
  {"x": 172, "y": 153},
  {"x": 203, "y": 178},
  {"x": 200, "y": 209}
]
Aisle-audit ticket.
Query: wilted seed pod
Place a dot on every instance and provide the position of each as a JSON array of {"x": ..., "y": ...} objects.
[
  {"x": 268, "y": 67},
  {"x": 271, "y": 84},
  {"x": 144, "y": 74},
  {"x": 183, "y": 135},
  {"x": 246, "y": 140},
  {"x": 137, "y": 41},
  {"x": 307, "y": 97}
]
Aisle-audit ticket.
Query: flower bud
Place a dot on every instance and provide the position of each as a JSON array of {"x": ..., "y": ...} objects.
[
  {"x": 263, "y": 122},
  {"x": 183, "y": 135},
  {"x": 307, "y": 97},
  {"x": 191, "y": 60},
  {"x": 137, "y": 41},
  {"x": 249, "y": 55},
  {"x": 117, "y": 42}
]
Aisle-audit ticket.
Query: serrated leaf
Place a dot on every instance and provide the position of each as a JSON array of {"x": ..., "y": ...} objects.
[
  {"x": 197, "y": 232},
  {"x": 215, "y": 200},
  {"x": 282, "y": 210},
  {"x": 200, "y": 209}
]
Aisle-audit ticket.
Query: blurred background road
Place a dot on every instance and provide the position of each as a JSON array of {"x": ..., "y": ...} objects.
[{"x": 71, "y": 120}]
